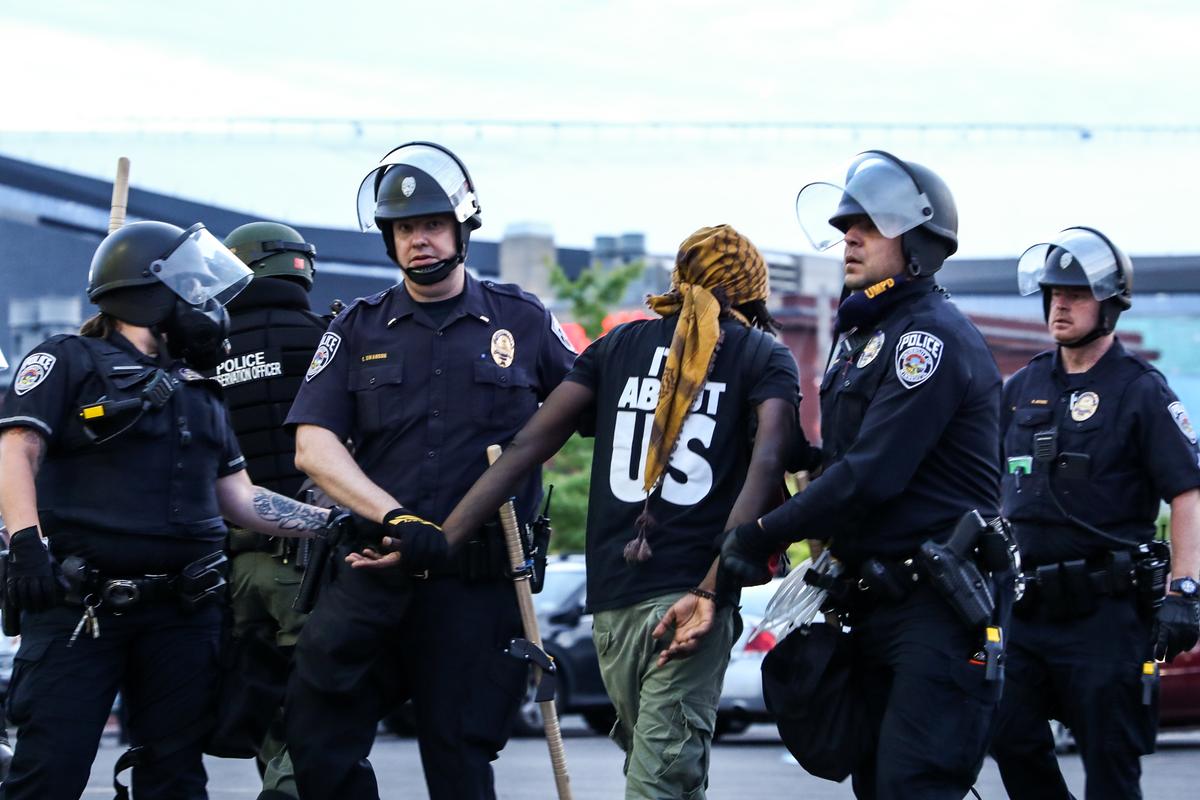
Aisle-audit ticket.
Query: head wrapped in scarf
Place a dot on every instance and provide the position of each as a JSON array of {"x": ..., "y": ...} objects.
[{"x": 717, "y": 270}]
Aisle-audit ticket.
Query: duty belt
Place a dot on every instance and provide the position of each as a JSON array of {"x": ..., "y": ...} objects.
[
  {"x": 198, "y": 582},
  {"x": 484, "y": 557},
  {"x": 1069, "y": 589}
]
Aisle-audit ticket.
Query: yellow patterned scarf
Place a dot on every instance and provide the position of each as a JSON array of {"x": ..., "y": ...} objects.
[{"x": 716, "y": 269}]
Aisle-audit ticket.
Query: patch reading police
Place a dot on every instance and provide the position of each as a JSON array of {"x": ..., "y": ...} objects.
[
  {"x": 1180, "y": 415},
  {"x": 408, "y": 186},
  {"x": 561, "y": 334},
  {"x": 504, "y": 347},
  {"x": 1084, "y": 405},
  {"x": 249, "y": 367},
  {"x": 871, "y": 349},
  {"x": 326, "y": 351},
  {"x": 34, "y": 369},
  {"x": 917, "y": 357}
]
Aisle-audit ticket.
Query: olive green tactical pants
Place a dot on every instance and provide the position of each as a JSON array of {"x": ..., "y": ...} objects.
[
  {"x": 665, "y": 715},
  {"x": 263, "y": 588}
]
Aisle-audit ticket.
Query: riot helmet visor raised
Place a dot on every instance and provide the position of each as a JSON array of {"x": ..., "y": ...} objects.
[
  {"x": 417, "y": 163},
  {"x": 1076, "y": 257},
  {"x": 877, "y": 186},
  {"x": 200, "y": 268}
]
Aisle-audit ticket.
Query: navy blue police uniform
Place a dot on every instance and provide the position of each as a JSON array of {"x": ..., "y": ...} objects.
[
  {"x": 421, "y": 390},
  {"x": 909, "y": 419},
  {"x": 132, "y": 497},
  {"x": 1088, "y": 457}
]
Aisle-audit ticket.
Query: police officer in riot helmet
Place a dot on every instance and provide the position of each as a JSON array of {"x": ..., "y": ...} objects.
[
  {"x": 1093, "y": 439},
  {"x": 909, "y": 419},
  {"x": 273, "y": 334},
  {"x": 119, "y": 465},
  {"x": 422, "y": 377}
]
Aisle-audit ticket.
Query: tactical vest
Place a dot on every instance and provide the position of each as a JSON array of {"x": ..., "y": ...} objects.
[
  {"x": 271, "y": 348},
  {"x": 149, "y": 472}
]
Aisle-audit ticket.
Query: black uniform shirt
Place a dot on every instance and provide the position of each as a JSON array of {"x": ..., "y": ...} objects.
[
  {"x": 422, "y": 402},
  {"x": 707, "y": 468},
  {"x": 909, "y": 416},
  {"x": 1123, "y": 441},
  {"x": 155, "y": 479}
]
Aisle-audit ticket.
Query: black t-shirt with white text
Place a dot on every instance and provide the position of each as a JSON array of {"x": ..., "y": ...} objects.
[{"x": 707, "y": 468}]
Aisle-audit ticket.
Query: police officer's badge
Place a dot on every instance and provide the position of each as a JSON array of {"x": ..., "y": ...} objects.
[
  {"x": 917, "y": 357},
  {"x": 408, "y": 186},
  {"x": 871, "y": 349},
  {"x": 34, "y": 369},
  {"x": 504, "y": 347},
  {"x": 326, "y": 351},
  {"x": 1084, "y": 405},
  {"x": 1180, "y": 415}
]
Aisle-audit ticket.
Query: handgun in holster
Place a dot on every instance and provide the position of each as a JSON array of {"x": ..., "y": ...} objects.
[
  {"x": 321, "y": 553},
  {"x": 203, "y": 580},
  {"x": 11, "y": 615},
  {"x": 954, "y": 574}
]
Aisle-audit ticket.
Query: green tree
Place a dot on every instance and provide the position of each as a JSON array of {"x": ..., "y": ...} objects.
[{"x": 591, "y": 296}]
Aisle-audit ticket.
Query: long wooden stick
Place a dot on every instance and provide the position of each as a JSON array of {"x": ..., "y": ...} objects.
[
  {"x": 120, "y": 195},
  {"x": 516, "y": 560}
]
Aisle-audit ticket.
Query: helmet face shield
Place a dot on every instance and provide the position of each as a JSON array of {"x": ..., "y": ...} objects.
[
  {"x": 1082, "y": 249},
  {"x": 200, "y": 268},
  {"x": 876, "y": 186},
  {"x": 432, "y": 162}
]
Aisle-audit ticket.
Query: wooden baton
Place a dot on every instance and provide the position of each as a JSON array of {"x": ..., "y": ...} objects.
[
  {"x": 120, "y": 195},
  {"x": 516, "y": 560}
]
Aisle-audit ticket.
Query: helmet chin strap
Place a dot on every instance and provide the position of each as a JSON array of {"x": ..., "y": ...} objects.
[
  {"x": 1105, "y": 325},
  {"x": 433, "y": 273}
]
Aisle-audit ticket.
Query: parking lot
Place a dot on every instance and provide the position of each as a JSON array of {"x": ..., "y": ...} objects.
[{"x": 752, "y": 764}]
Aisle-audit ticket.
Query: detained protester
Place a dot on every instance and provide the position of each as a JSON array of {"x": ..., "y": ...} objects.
[
  {"x": 119, "y": 464},
  {"x": 273, "y": 334},
  {"x": 909, "y": 417},
  {"x": 692, "y": 414},
  {"x": 422, "y": 378},
  {"x": 1093, "y": 439}
]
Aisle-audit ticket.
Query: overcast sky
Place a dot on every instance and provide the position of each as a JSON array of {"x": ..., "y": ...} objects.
[{"x": 184, "y": 90}]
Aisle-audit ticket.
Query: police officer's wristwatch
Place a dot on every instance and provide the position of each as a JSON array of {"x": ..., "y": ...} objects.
[{"x": 1186, "y": 586}]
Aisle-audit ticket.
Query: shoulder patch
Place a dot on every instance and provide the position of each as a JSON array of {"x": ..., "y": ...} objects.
[
  {"x": 326, "y": 351},
  {"x": 1180, "y": 415},
  {"x": 557, "y": 327},
  {"x": 917, "y": 357},
  {"x": 33, "y": 370}
]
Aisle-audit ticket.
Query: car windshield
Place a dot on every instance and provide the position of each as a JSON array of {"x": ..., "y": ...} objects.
[{"x": 561, "y": 583}]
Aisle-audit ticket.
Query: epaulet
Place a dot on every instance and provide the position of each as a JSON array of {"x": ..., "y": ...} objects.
[
  {"x": 1042, "y": 356},
  {"x": 369, "y": 300},
  {"x": 512, "y": 290}
]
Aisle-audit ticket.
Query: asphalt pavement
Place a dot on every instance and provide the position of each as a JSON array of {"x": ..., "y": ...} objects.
[{"x": 751, "y": 765}]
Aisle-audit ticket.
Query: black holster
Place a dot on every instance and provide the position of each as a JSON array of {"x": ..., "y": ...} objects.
[
  {"x": 954, "y": 573},
  {"x": 485, "y": 556}
]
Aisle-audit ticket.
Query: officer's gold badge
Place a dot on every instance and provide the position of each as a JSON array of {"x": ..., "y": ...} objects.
[
  {"x": 504, "y": 347},
  {"x": 1084, "y": 405},
  {"x": 871, "y": 349}
]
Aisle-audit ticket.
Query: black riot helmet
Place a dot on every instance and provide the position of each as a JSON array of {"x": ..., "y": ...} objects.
[
  {"x": 902, "y": 199},
  {"x": 415, "y": 180},
  {"x": 1080, "y": 257},
  {"x": 174, "y": 281}
]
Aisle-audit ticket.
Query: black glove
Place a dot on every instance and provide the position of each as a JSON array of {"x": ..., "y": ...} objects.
[
  {"x": 1177, "y": 628},
  {"x": 32, "y": 584},
  {"x": 422, "y": 545},
  {"x": 746, "y": 554}
]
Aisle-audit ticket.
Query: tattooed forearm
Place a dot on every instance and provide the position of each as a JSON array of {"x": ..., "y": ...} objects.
[{"x": 287, "y": 514}]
